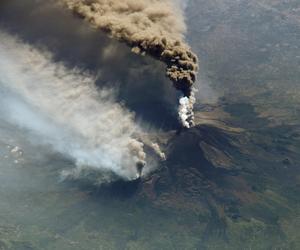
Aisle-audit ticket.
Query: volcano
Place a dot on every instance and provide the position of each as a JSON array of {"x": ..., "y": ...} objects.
[{"x": 81, "y": 106}]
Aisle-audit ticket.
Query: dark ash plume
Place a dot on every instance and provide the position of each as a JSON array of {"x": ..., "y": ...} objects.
[{"x": 150, "y": 27}]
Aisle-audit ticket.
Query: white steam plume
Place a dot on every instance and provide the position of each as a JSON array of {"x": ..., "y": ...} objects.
[
  {"x": 185, "y": 110},
  {"x": 61, "y": 107}
]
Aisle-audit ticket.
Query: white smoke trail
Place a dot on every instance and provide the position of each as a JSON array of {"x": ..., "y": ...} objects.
[{"x": 62, "y": 108}]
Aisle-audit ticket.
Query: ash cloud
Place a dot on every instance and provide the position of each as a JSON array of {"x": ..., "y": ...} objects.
[
  {"x": 150, "y": 27},
  {"x": 138, "y": 82},
  {"x": 124, "y": 81}
]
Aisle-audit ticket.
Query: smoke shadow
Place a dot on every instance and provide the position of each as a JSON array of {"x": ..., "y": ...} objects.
[{"x": 118, "y": 189}]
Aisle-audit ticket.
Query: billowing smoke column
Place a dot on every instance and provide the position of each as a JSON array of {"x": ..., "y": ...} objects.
[
  {"x": 153, "y": 27},
  {"x": 61, "y": 107}
]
